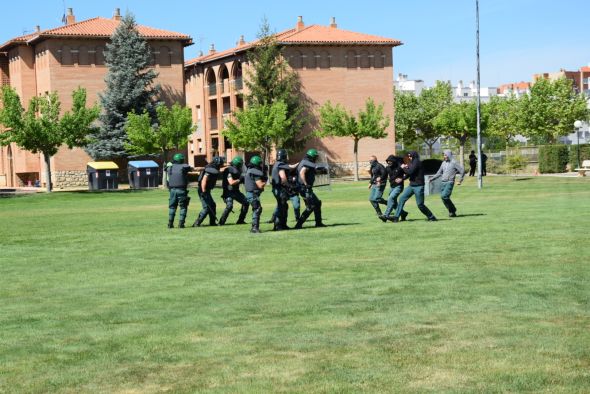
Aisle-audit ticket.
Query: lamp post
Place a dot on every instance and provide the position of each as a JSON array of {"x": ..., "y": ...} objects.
[
  {"x": 578, "y": 126},
  {"x": 479, "y": 164}
]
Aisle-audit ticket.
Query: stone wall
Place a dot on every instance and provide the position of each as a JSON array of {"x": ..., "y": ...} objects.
[
  {"x": 344, "y": 169},
  {"x": 69, "y": 179}
]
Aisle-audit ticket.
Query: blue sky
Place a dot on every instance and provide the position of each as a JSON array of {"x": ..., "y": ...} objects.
[{"x": 518, "y": 37}]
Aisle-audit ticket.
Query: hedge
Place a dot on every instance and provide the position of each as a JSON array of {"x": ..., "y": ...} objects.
[
  {"x": 584, "y": 154},
  {"x": 553, "y": 158}
]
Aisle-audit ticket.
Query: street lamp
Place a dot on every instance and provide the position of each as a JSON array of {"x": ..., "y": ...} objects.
[{"x": 578, "y": 126}]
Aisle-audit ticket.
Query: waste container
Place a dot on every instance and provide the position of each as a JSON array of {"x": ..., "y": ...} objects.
[
  {"x": 143, "y": 174},
  {"x": 431, "y": 167},
  {"x": 102, "y": 175}
]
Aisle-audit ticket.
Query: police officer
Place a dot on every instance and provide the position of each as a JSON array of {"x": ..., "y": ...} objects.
[
  {"x": 177, "y": 173},
  {"x": 293, "y": 192},
  {"x": 306, "y": 171},
  {"x": 232, "y": 177},
  {"x": 280, "y": 189},
  {"x": 206, "y": 182},
  {"x": 396, "y": 177},
  {"x": 377, "y": 186},
  {"x": 254, "y": 182}
]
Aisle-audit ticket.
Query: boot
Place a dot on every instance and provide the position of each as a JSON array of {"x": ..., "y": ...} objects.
[
  {"x": 170, "y": 223},
  {"x": 223, "y": 217},
  {"x": 255, "y": 230},
  {"x": 272, "y": 219},
  {"x": 302, "y": 219},
  {"x": 181, "y": 224},
  {"x": 199, "y": 220},
  {"x": 318, "y": 217},
  {"x": 243, "y": 213},
  {"x": 403, "y": 216}
]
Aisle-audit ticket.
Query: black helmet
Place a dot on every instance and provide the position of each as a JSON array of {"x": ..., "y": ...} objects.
[
  {"x": 218, "y": 161},
  {"x": 282, "y": 155}
]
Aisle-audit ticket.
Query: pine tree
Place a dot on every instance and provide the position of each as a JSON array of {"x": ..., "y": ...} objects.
[{"x": 129, "y": 88}]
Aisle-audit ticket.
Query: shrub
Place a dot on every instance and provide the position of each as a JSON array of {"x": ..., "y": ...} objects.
[
  {"x": 516, "y": 162},
  {"x": 553, "y": 158},
  {"x": 584, "y": 154}
]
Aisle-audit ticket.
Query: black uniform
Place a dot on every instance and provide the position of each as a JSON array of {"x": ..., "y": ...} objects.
[
  {"x": 281, "y": 193},
  {"x": 378, "y": 183},
  {"x": 177, "y": 183},
  {"x": 231, "y": 193},
  {"x": 312, "y": 202},
  {"x": 210, "y": 173},
  {"x": 472, "y": 163},
  {"x": 253, "y": 193}
]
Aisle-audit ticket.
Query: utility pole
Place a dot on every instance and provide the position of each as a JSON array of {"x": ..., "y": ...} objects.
[{"x": 479, "y": 163}]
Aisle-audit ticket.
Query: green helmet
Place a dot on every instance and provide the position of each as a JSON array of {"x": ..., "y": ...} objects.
[
  {"x": 237, "y": 161},
  {"x": 312, "y": 154},
  {"x": 178, "y": 158},
  {"x": 256, "y": 161}
]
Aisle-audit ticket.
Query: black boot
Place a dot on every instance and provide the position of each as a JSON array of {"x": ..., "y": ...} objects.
[
  {"x": 403, "y": 216},
  {"x": 224, "y": 216},
  {"x": 272, "y": 219},
  {"x": 243, "y": 213},
  {"x": 170, "y": 223},
  {"x": 199, "y": 220},
  {"x": 181, "y": 224}
]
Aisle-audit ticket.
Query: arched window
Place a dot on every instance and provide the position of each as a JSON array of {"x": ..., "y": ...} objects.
[
  {"x": 236, "y": 73},
  {"x": 351, "y": 59},
  {"x": 83, "y": 57},
  {"x": 296, "y": 59},
  {"x": 365, "y": 60},
  {"x": 66, "y": 56},
  {"x": 99, "y": 56},
  {"x": 379, "y": 59},
  {"x": 165, "y": 57},
  {"x": 324, "y": 59},
  {"x": 211, "y": 82}
]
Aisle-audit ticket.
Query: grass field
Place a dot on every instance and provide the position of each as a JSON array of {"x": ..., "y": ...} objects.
[{"x": 96, "y": 295}]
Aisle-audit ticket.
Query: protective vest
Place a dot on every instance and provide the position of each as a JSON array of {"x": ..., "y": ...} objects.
[
  {"x": 252, "y": 175},
  {"x": 178, "y": 176},
  {"x": 235, "y": 174},
  {"x": 276, "y": 168},
  {"x": 309, "y": 174},
  {"x": 212, "y": 174}
]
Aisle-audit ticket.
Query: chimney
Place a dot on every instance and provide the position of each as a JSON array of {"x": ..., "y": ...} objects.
[
  {"x": 333, "y": 24},
  {"x": 241, "y": 42},
  {"x": 212, "y": 49},
  {"x": 70, "y": 18},
  {"x": 200, "y": 53},
  {"x": 300, "y": 24},
  {"x": 37, "y": 29},
  {"x": 117, "y": 14}
]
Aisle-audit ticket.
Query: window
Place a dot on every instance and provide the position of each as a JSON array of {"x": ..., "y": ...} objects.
[
  {"x": 351, "y": 59},
  {"x": 66, "y": 56},
  {"x": 165, "y": 57},
  {"x": 296, "y": 59}
]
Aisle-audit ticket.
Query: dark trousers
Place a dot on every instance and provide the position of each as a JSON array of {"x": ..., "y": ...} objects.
[
  {"x": 472, "y": 168},
  {"x": 254, "y": 200},
  {"x": 209, "y": 207},
  {"x": 392, "y": 199},
  {"x": 408, "y": 192},
  {"x": 282, "y": 209},
  {"x": 376, "y": 197},
  {"x": 229, "y": 198},
  {"x": 312, "y": 204},
  {"x": 178, "y": 198}
]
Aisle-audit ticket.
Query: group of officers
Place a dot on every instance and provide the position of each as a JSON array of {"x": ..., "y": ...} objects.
[{"x": 288, "y": 181}]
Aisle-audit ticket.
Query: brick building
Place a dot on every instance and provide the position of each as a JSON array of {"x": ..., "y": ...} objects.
[
  {"x": 580, "y": 78},
  {"x": 333, "y": 64},
  {"x": 63, "y": 58}
]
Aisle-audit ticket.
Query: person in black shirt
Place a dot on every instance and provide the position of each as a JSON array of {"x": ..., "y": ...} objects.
[
  {"x": 232, "y": 178},
  {"x": 472, "y": 163},
  {"x": 415, "y": 172},
  {"x": 377, "y": 186},
  {"x": 177, "y": 183},
  {"x": 396, "y": 177},
  {"x": 306, "y": 171}
]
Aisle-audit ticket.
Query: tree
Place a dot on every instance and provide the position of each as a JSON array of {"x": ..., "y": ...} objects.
[
  {"x": 270, "y": 81},
  {"x": 172, "y": 130},
  {"x": 415, "y": 116},
  {"x": 129, "y": 88},
  {"x": 259, "y": 127},
  {"x": 40, "y": 129},
  {"x": 336, "y": 121},
  {"x": 459, "y": 121},
  {"x": 504, "y": 117},
  {"x": 551, "y": 109}
]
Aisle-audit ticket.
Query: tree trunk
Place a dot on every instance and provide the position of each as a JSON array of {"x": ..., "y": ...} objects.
[
  {"x": 164, "y": 163},
  {"x": 48, "y": 171},
  {"x": 462, "y": 141},
  {"x": 356, "y": 160}
]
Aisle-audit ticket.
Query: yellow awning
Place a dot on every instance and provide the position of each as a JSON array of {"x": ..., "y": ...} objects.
[{"x": 103, "y": 165}]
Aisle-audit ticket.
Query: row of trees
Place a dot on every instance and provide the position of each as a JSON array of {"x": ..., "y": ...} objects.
[{"x": 542, "y": 116}]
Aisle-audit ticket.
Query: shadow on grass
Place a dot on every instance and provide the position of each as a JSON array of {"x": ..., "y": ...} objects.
[
  {"x": 471, "y": 214},
  {"x": 124, "y": 191},
  {"x": 326, "y": 226},
  {"x": 523, "y": 179}
]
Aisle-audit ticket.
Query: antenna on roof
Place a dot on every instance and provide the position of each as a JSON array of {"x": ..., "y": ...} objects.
[{"x": 63, "y": 17}]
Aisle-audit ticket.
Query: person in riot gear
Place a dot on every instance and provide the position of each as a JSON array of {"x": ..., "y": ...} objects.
[
  {"x": 306, "y": 171},
  {"x": 254, "y": 181},
  {"x": 377, "y": 186},
  {"x": 177, "y": 173},
  {"x": 396, "y": 176},
  {"x": 206, "y": 182},
  {"x": 281, "y": 190},
  {"x": 231, "y": 180}
]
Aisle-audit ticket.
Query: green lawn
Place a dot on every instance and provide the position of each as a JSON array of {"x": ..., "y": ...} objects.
[{"x": 96, "y": 295}]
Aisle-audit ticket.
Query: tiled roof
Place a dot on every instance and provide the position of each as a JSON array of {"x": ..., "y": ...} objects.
[
  {"x": 310, "y": 35},
  {"x": 585, "y": 69},
  {"x": 97, "y": 28}
]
